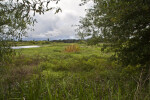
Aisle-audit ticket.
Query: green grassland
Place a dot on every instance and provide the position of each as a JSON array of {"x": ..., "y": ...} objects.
[{"x": 51, "y": 73}]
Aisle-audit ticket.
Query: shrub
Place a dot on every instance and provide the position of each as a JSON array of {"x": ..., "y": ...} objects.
[{"x": 72, "y": 48}]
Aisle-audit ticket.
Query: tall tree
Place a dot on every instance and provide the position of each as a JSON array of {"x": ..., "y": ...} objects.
[{"x": 126, "y": 24}]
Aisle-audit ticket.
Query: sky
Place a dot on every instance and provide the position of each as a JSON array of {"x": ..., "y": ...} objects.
[{"x": 60, "y": 25}]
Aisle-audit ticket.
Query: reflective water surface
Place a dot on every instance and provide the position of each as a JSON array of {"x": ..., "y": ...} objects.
[{"x": 21, "y": 47}]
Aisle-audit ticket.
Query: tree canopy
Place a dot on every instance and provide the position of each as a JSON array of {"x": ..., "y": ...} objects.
[{"x": 123, "y": 23}]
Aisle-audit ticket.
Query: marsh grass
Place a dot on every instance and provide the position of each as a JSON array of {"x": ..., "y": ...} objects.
[
  {"x": 48, "y": 74},
  {"x": 72, "y": 48}
]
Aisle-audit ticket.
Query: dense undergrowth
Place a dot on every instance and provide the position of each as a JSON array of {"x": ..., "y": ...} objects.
[{"x": 51, "y": 73}]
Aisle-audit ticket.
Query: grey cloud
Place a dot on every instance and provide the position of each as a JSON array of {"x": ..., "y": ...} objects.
[{"x": 58, "y": 26}]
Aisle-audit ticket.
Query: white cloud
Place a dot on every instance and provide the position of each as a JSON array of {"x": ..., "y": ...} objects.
[{"x": 59, "y": 26}]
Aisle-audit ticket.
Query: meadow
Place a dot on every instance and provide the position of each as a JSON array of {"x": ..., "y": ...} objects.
[{"x": 66, "y": 71}]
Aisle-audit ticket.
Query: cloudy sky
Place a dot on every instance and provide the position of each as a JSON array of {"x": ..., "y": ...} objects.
[{"x": 59, "y": 26}]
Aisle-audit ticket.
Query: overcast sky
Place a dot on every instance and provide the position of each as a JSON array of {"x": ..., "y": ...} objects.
[{"x": 59, "y": 26}]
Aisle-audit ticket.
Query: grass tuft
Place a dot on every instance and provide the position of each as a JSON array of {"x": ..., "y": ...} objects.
[{"x": 72, "y": 48}]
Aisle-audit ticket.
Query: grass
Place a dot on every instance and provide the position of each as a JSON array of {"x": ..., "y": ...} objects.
[
  {"x": 51, "y": 73},
  {"x": 72, "y": 48}
]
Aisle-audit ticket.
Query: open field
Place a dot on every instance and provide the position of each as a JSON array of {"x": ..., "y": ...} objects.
[
  {"x": 52, "y": 73},
  {"x": 75, "y": 50}
]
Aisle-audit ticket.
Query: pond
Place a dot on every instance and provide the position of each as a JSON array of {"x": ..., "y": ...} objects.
[{"x": 21, "y": 47}]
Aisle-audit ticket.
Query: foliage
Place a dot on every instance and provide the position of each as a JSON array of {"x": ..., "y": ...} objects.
[
  {"x": 93, "y": 40},
  {"x": 49, "y": 75},
  {"x": 72, "y": 48},
  {"x": 5, "y": 53},
  {"x": 126, "y": 25},
  {"x": 15, "y": 17}
]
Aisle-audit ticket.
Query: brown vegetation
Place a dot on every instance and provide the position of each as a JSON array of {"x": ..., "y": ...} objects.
[{"x": 72, "y": 48}]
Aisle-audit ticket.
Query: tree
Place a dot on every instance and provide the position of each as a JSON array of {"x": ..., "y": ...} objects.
[
  {"x": 15, "y": 17},
  {"x": 126, "y": 25}
]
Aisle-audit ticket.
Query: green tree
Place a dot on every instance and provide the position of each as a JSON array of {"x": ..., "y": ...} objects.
[
  {"x": 126, "y": 25},
  {"x": 15, "y": 17}
]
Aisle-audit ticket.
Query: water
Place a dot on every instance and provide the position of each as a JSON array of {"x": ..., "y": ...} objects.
[{"x": 21, "y": 47}]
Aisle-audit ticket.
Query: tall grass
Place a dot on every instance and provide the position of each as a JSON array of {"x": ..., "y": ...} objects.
[
  {"x": 72, "y": 48},
  {"x": 68, "y": 76}
]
